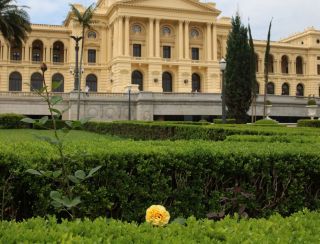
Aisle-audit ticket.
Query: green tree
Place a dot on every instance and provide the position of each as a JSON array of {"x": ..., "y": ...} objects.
[
  {"x": 266, "y": 71},
  {"x": 84, "y": 19},
  {"x": 238, "y": 74},
  {"x": 253, "y": 70},
  {"x": 14, "y": 22}
]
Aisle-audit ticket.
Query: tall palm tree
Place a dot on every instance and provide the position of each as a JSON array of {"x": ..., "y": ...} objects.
[
  {"x": 85, "y": 20},
  {"x": 14, "y": 22}
]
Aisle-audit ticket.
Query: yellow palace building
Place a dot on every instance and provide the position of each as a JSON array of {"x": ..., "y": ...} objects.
[{"x": 166, "y": 51}]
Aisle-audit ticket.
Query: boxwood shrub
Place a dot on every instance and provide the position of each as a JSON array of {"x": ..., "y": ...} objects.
[
  {"x": 188, "y": 177},
  {"x": 12, "y": 121},
  {"x": 309, "y": 123},
  {"x": 302, "y": 227}
]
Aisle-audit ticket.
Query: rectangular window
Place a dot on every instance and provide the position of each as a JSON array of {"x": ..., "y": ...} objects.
[
  {"x": 195, "y": 53},
  {"x": 136, "y": 50},
  {"x": 92, "y": 56},
  {"x": 318, "y": 69},
  {"x": 166, "y": 52}
]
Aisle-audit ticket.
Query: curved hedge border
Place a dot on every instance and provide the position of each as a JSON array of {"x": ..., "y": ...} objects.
[
  {"x": 302, "y": 227},
  {"x": 188, "y": 177},
  {"x": 309, "y": 123}
]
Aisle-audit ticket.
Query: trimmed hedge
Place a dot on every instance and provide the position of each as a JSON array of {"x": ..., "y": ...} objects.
[
  {"x": 302, "y": 227},
  {"x": 229, "y": 121},
  {"x": 188, "y": 177},
  {"x": 12, "y": 121},
  {"x": 309, "y": 123}
]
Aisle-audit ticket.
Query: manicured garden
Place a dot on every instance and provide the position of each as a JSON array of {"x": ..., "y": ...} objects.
[{"x": 200, "y": 170}]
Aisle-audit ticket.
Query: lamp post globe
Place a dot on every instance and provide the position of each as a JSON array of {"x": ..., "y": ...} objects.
[{"x": 223, "y": 66}]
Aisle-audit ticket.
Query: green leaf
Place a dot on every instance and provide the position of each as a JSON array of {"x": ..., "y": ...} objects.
[
  {"x": 56, "y": 196},
  {"x": 73, "y": 179},
  {"x": 56, "y": 174},
  {"x": 56, "y": 204},
  {"x": 43, "y": 120},
  {"x": 93, "y": 171},
  {"x": 55, "y": 100},
  {"x": 80, "y": 174},
  {"x": 57, "y": 111},
  {"x": 28, "y": 120},
  {"x": 84, "y": 120},
  {"x": 69, "y": 123},
  {"x": 180, "y": 220},
  {"x": 65, "y": 130},
  {"x": 33, "y": 172},
  {"x": 71, "y": 203},
  {"x": 56, "y": 84},
  {"x": 47, "y": 173}
]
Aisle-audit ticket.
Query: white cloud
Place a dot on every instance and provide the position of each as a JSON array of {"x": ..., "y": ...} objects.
[{"x": 289, "y": 16}]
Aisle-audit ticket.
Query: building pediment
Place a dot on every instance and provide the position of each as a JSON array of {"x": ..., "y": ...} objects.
[{"x": 183, "y": 5}]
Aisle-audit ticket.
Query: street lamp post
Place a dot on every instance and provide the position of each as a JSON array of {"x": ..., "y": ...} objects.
[
  {"x": 129, "y": 108},
  {"x": 223, "y": 65},
  {"x": 77, "y": 39}
]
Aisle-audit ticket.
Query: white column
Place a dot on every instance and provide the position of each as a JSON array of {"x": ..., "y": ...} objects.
[
  {"x": 186, "y": 40},
  {"x": 115, "y": 38},
  {"x": 214, "y": 43},
  {"x": 180, "y": 39},
  {"x": 209, "y": 42},
  {"x": 157, "y": 37},
  {"x": 127, "y": 37},
  {"x": 120, "y": 40},
  {"x": 151, "y": 37},
  {"x": 109, "y": 40}
]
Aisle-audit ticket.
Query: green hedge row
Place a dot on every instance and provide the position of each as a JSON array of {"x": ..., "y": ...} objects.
[
  {"x": 12, "y": 121},
  {"x": 188, "y": 177},
  {"x": 302, "y": 227},
  {"x": 309, "y": 123},
  {"x": 228, "y": 121}
]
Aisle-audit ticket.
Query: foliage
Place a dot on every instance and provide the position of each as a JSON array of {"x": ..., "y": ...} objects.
[
  {"x": 311, "y": 102},
  {"x": 188, "y": 177},
  {"x": 229, "y": 121},
  {"x": 11, "y": 121},
  {"x": 309, "y": 123},
  {"x": 267, "y": 122},
  {"x": 14, "y": 22},
  {"x": 62, "y": 198},
  {"x": 238, "y": 75},
  {"x": 302, "y": 227},
  {"x": 266, "y": 71}
]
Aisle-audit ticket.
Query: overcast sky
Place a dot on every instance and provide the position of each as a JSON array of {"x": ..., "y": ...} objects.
[{"x": 289, "y": 16}]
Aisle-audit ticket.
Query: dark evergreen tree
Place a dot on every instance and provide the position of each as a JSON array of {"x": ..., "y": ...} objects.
[
  {"x": 238, "y": 75},
  {"x": 253, "y": 70},
  {"x": 266, "y": 71}
]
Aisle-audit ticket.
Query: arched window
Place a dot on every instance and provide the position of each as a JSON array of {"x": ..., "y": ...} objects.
[
  {"x": 136, "y": 29},
  {"x": 58, "y": 52},
  {"x": 15, "y": 81},
  {"x": 92, "y": 35},
  {"x": 256, "y": 57},
  {"x": 194, "y": 33},
  {"x": 270, "y": 88},
  {"x": 92, "y": 83},
  {"x": 37, "y": 51},
  {"x": 299, "y": 65},
  {"x": 58, "y": 79},
  {"x": 137, "y": 79},
  {"x": 300, "y": 90},
  {"x": 36, "y": 81},
  {"x": 285, "y": 90},
  {"x": 285, "y": 64},
  {"x": 196, "y": 83},
  {"x": 270, "y": 67},
  {"x": 16, "y": 53},
  {"x": 166, "y": 31},
  {"x": 167, "y": 82}
]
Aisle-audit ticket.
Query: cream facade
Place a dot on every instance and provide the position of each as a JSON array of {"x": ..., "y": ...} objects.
[{"x": 157, "y": 46}]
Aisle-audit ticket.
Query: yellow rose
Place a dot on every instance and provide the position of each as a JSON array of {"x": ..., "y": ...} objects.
[{"x": 157, "y": 215}]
